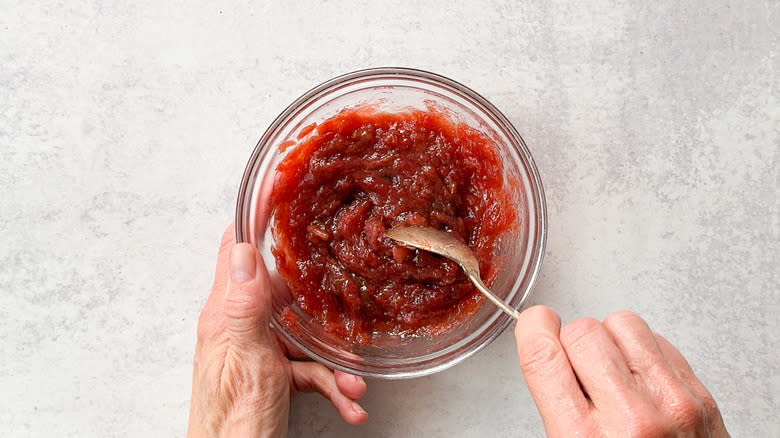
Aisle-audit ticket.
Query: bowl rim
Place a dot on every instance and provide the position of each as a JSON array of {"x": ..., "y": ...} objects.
[{"x": 540, "y": 239}]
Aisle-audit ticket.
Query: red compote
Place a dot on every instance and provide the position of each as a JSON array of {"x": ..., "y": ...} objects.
[{"x": 362, "y": 172}]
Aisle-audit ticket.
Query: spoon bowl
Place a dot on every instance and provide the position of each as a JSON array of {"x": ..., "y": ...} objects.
[{"x": 447, "y": 245}]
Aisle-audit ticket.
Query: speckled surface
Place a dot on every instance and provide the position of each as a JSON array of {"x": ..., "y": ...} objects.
[{"x": 124, "y": 128}]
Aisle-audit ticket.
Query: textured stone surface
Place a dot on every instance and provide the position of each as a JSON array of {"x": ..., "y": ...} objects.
[{"x": 124, "y": 128}]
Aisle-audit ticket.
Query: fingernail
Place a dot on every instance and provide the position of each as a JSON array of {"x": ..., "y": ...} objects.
[
  {"x": 242, "y": 263},
  {"x": 358, "y": 409}
]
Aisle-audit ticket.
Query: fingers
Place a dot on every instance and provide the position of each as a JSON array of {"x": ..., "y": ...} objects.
[
  {"x": 288, "y": 348},
  {"x": 311, "y": 376},
  {"x": 652, "y": 371},
  {"x": 675, "y": 359},
  {"x": 640, "y": 348},
  {"x": 211, "y": 323},
  {"x": 683, "y": 370},
  {"x": 635, "y": 379},
  {"x": 350, "y": 385},
  {"x": 637, "y": 343},
  {"x": 247, "y": 303},
  {"x": 548, "y": 373},
  {"x": 680, "y": 366},
  {"x": 222, "y": 275},
  {"x": 597, "y": 361},
  {"x": 662, "y": 374}
]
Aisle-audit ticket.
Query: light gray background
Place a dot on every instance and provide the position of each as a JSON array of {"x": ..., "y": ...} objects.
[{"x": 125, "y": 126}]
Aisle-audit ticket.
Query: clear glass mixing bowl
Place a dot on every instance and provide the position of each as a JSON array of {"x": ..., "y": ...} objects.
[{"x": 392, "y": 90}]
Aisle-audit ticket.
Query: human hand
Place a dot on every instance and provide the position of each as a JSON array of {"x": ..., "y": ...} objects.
[
  {"x": 616, "y": 378},
  {"x": 243, "y": 375}
]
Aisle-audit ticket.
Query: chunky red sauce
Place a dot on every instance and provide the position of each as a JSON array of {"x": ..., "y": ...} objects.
[{"x": 360, "y": 173}]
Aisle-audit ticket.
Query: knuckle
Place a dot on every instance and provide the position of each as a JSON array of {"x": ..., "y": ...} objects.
[
  {"x": 686, "y": 411},
  {"x": 624, "y": 318},
  {"x": 323, "y": 375},
  {"x": 709, "y": 407},
  {"x": 578, "y": 330},
  {"x": 538, "y": 352},
  {"x": 321, "y": 379},
  {"x": 643, "y": 422},
  {"x": 639, "y": 428},
  {"x": 585, "y": 429},
  {"x": 241, "y": 305}
]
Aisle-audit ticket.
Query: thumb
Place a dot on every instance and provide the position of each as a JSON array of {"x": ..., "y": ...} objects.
[{"x": 247, "y": 303}]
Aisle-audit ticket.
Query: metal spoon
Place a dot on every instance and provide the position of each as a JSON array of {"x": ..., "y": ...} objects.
[{"x": 446, "y": 245}]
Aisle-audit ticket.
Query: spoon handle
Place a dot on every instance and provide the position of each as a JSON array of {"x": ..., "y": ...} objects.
[{"x": 491, "y": 296}]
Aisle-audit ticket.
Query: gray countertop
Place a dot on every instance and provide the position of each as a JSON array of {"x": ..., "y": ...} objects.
[{"x": 125, "y": 126}]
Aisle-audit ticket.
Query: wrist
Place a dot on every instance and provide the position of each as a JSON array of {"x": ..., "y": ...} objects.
[
  {"x": 250, "y": 427},
  {"x": 235, "y": 427}
]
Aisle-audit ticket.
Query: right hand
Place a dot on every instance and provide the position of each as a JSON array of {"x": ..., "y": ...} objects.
[{"x": 616, "y": 378}]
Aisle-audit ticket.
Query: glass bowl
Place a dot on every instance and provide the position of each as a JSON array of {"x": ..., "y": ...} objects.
[{"x": 394, "y": 90}]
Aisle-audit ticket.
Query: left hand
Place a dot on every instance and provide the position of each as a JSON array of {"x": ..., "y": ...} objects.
[{"x": 243, "y": 376}]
